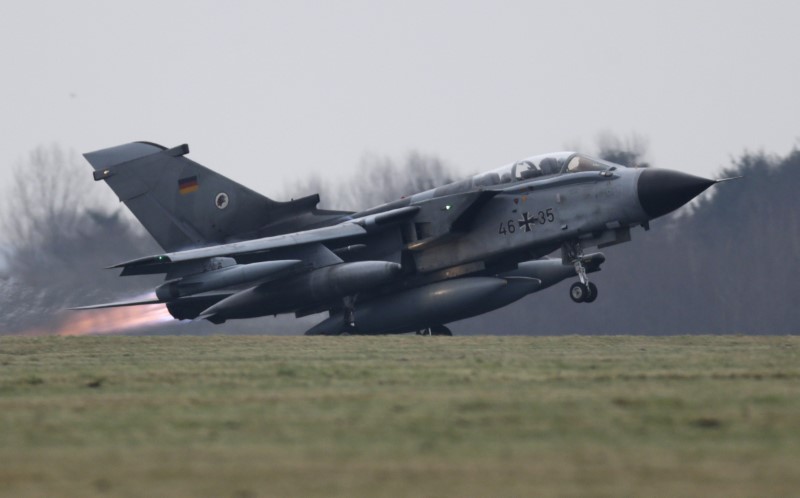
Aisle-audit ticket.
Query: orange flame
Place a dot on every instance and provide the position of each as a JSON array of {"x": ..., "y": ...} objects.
[
  {"x": 114, "y": 320},
  {"x": 105, "y": 321}
]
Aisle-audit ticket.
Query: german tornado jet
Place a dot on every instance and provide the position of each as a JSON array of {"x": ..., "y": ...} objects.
[{"x": 412, "y": 265}]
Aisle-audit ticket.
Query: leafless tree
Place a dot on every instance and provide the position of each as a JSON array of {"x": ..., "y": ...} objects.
[
  {"x": 379, "y": 179},
  {"x": 628, "y": 151},
  {"x": 46, "y": 201},
  {"x": 58, "y": 232}
]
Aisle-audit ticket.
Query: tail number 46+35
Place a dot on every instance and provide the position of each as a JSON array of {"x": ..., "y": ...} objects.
[{"x": 527, "y": 221}]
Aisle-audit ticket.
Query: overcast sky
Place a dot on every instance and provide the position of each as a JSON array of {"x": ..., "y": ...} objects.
[{"x": 265, "y": 91}]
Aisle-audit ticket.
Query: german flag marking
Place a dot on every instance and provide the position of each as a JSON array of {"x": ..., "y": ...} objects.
[{"x": 188, "y": 185}]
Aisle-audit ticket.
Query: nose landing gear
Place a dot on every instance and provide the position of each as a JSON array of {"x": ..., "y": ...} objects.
[{"x": 582, "y": 291}]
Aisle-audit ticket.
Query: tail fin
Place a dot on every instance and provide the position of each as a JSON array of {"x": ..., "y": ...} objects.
[{"x": 183, "y": 204}]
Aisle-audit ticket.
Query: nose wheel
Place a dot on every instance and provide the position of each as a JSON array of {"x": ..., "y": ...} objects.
[{"x": 582, "y": 291}]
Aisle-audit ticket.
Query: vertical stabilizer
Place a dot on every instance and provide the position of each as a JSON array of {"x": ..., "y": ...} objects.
[{"x": 184, "y": 204}]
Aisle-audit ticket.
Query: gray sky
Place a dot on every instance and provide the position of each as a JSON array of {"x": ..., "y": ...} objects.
[{"x": 265, "y": 92}]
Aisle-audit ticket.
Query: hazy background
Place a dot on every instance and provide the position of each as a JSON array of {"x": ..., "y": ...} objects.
[
  {"x": 270, "y": 91},
  {"x": 296, "y": 97}
]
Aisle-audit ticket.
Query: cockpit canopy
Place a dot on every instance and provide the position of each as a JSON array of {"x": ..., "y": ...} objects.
[{"x": 543, "y": 165}]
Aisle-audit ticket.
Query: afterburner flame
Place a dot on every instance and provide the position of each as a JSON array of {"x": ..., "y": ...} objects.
[
  {"x": 105, "y": 321},
  {"x": 113, "y": 320}
]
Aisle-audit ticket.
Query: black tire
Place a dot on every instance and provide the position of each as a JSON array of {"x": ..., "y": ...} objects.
[
  {"x": 592, "y": 293},
  {"x": 578, "y": 292},
  {"x": 441, "y": 330}
]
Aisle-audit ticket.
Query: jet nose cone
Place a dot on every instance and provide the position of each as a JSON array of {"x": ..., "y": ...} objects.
[{"x": 662, "y": 191}]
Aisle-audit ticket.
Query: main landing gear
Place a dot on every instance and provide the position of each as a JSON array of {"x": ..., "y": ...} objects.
[
  {"x": 350, "y": 313},
  {"x": 435, "y": 330},
  {"x": 582, "y": 291}
]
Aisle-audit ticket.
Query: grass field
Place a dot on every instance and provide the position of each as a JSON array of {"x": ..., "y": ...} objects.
[{"x": 400, "y": 416}]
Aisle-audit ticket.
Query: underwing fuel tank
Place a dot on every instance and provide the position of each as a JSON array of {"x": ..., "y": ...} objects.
[
  {"x": 413, "y": 309},
  {"x": 223, "y": 277},
  {"x": 322, "y": 284},
  {"x": 452, "y": 300}
]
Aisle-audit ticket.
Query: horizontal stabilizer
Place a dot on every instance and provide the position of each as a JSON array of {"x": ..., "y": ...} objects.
[{"x": 118, "y": 304}]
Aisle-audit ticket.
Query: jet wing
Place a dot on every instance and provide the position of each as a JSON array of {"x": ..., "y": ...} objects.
[{"x": 161, "y": 263}]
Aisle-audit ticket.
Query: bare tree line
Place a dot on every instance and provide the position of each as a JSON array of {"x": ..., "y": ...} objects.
[
  {"x": 60, "y": 230},
  {"x": 379, "y": 179}
]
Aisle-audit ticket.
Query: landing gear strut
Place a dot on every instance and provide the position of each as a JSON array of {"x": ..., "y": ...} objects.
[
  {"x": 350, "y": 312},
  {"x": 582, "y": 291}
]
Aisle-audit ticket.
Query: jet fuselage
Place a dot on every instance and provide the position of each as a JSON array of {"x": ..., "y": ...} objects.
[{"x": 413, "y": 264}]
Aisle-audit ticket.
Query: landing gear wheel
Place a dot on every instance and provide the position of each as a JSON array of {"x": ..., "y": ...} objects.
[
  {"x": 440, "y": 330},
  {"x": 592, "y": 293},
  {"x": 579, "y": 292},
  {"x": 435, "y": 330}
]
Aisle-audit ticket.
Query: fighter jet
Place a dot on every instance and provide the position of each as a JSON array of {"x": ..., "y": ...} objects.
[{"x": 411, "y": 265}]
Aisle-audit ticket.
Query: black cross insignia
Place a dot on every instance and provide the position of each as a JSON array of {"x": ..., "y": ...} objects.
[{"x": 526, "y": 221}]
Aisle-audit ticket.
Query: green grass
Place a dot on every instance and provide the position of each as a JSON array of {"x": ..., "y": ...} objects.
[{"x": 400, "y": 416}]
